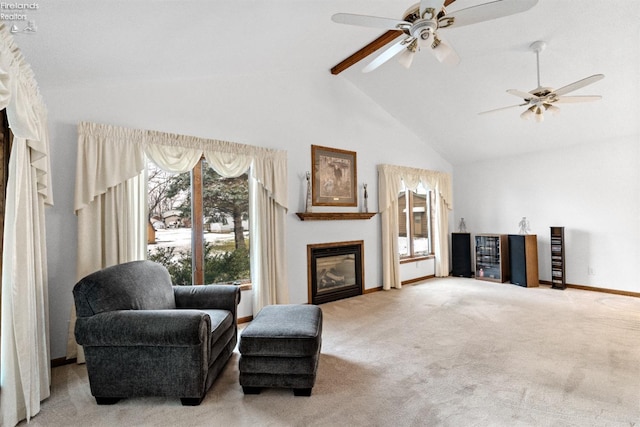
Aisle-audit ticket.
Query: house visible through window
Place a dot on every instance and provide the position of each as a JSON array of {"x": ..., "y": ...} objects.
[
  {"x": 198, "y": 225},
  {"x": 414, "y": 220}
]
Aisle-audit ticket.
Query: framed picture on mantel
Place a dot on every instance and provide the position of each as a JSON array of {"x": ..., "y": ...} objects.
[{"x": 333, "y": 180}]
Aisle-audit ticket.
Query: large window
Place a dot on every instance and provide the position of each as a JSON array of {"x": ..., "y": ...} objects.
[
  {"x": 414, "y": 220},
  {"x": 198, "y": 225}
]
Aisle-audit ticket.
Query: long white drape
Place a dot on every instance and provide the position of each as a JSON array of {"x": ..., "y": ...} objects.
[
  {"x": 24, "y": 345},
  {"x": 110, "y": 156},
  {"x": 110, "y": 204},
  {"x": 390, "y": 182}
]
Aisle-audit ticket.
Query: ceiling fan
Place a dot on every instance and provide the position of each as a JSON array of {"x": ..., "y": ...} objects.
[
  {"x": 541, "y": 99},
  {"x": 420, "y": 25}
]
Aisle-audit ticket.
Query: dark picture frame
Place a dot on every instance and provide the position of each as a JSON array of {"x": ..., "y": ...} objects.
[{"x": 334, "y": 177}]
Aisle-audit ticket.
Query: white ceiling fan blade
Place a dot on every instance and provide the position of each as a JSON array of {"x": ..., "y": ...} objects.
[
  {"x": 443, "y": 51},
  {"x": 386, "y": 55},
  {"x": 503, "y": 108},
  {"x": 523, "y": 95},
  {"x": 578, "y": 98},
  {"x": 436, "y": 5},
  {"x": 369, "y": 21},
  {"x": 486, "y": 12},
  {"x": 579, "y": 84}
]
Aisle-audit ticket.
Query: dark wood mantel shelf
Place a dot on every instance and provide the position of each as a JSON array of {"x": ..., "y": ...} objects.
[{"x": 332, "y": 216}]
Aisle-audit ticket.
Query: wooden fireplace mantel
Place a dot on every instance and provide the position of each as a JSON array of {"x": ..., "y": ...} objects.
[{"x": 332, "y": 216}]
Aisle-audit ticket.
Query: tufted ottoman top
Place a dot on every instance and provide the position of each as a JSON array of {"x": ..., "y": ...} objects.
[{"x": 288, "y": 330}]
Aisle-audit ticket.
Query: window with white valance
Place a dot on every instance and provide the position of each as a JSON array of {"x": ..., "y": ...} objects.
[
  {"x": 391, "y": 180},
  {"x": 110, "y": 199}
]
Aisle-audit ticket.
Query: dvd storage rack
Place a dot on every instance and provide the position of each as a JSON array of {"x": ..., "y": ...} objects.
[
  {"x": 558, "y": 280},
  {"x": 492, "y": 257}
]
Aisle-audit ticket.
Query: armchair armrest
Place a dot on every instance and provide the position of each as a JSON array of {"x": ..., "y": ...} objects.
[
  {"x": 223, "y": 297},
  {"x": 144, "y": 327}
]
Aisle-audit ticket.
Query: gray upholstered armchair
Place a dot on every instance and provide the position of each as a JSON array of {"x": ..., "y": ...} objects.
[{"x": 144, "y": 337}]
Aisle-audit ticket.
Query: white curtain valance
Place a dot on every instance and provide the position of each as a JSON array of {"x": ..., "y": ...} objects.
[
  {"x": 26, "y": 110},
  {"x": 173, "y": 152},
  {"x": 107, "y": 156},
  {"x": 228, "y": 164},
  {"x": 172, "y": 158},
  {"x": 412, "y": 177},
  {"x": 269, "y": 166}
]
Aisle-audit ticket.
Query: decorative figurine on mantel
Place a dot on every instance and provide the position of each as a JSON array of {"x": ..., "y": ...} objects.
[
  {"x": 366, "y": 198},
  {"x": 308, "y": 203},
  {"x": 524, "y": 226},
  {"x": 462, "y": 227}
]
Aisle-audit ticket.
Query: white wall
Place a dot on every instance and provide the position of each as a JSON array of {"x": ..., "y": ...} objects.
[
  {"x": 593, "y": 191},
  {"x": 417, "y": 269},
  {"x": 282, "y": 111}
]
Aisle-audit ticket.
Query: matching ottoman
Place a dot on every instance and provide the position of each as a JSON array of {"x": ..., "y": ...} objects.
[{"x": 281, "y": 348}]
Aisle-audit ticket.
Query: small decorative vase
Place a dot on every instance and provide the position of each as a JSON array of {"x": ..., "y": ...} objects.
[
  {"x": 308, "y": 202},
  {"x": 366, "y": 198}
]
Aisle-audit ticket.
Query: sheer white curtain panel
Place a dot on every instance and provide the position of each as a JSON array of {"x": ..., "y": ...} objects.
[
  {"x": 24, "y": 342},
  {"x": 390, "y": 183}
]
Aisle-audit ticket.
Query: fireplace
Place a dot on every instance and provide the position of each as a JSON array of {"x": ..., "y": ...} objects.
[{"x": 335, "y": 271}]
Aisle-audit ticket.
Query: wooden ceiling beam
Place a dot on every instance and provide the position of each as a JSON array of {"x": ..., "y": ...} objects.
[{"x": 381, "y": 41}]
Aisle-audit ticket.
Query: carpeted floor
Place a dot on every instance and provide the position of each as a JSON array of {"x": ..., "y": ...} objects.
[{"x": 447, "y": 352}]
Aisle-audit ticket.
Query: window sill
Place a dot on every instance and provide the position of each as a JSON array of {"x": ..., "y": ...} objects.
[
  {"x": 329, "y": 216},
  {"x": 416, "y": 259},
  {"x": 243, "y": 286}
]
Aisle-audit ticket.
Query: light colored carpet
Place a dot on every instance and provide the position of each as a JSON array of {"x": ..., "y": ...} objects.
[{"x": 447, "y": 352}]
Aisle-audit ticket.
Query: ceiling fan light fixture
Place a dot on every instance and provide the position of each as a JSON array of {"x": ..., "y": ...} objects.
[
  {"x": 528, "y": 114},
  {"x": 552, "y": 109},
  {"x": 539, "y": 114},
  {"x": 406, "y": 58}
]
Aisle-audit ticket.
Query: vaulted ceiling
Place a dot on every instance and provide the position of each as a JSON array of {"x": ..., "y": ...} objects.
[{"x": 94, "y": 41}]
